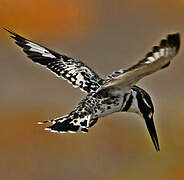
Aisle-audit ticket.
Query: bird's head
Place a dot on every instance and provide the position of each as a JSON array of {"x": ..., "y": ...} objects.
[{"x": 140, "y": 103}]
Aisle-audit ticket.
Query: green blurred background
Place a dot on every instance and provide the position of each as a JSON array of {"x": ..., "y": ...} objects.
[{"x": 106, "y": 35}]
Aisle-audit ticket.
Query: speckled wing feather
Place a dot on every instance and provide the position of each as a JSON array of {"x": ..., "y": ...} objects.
[
  {"x": 72, "y": 70},
  {"x": 159, "y": 58}
]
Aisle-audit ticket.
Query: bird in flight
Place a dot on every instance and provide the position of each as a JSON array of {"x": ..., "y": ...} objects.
[{"x": 116, "y": 93}]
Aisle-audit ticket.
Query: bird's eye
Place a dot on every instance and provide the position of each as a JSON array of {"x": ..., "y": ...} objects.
[{"x": 150, "y": 115}]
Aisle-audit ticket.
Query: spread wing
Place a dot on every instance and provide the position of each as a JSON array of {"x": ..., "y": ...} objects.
[
  {"x": 159, "y": 58},
  {"x": 72, "y": 70}
]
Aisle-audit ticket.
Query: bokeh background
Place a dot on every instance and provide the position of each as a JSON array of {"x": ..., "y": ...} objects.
[{"x": 106, "y": 35}]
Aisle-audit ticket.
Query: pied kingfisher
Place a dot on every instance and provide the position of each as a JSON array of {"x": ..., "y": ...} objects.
[{"x": 116, "y": 93}]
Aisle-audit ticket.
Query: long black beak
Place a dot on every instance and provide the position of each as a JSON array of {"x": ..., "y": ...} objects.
[{"x": 152, "y": 131}]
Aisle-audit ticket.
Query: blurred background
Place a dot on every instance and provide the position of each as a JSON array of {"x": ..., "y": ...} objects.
[{"x": 106, "y": 35}]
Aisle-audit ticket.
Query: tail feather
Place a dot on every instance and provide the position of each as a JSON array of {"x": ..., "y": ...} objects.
[
  {"x": 52, "y": 120},
  {"x": 69, "y": 124},
  {"x": 64, "y": 126}
]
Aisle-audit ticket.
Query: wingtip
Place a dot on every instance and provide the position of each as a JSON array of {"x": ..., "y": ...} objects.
[
  {"x": 4, "y": 28},
  {"x": 9, "y": 31},
  {"x": 174, "y": 40}
]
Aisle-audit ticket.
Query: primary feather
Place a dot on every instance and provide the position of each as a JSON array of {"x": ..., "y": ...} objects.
[{"x": 73, "y": 70}]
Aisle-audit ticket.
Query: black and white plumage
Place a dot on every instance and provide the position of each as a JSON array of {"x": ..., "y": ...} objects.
[
  {"x": 72, "y": 70},
  {"x": 116, "y": 93}
]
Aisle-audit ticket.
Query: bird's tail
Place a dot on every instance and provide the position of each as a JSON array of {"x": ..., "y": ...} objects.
[{"x": 69, "y": 123}]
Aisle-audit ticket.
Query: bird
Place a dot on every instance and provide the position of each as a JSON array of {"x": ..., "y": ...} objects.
[{"x": 117, "y": 92}]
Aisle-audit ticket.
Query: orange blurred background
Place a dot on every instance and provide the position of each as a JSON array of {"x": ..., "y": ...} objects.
[{"x": 106, "y": 35}]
